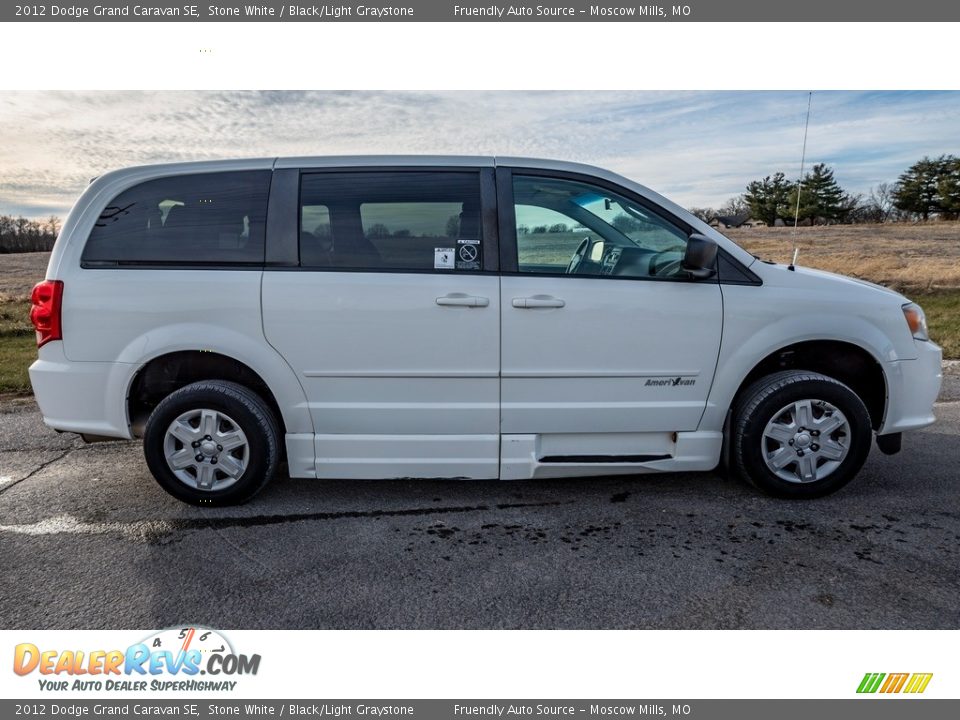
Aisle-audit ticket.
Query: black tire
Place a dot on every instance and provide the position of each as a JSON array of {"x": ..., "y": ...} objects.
[
  {"x": 248, "y": 412},
  {"x": 762, "y": 402}
]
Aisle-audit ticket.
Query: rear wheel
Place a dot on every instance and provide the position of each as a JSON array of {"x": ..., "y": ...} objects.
[
  {"x": 212, "y": 443},
  {"x": 798, "y": 434}
]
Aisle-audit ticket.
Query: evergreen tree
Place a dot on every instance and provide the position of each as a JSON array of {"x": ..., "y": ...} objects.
[
  {"x": 948, "y": 187},
  {"x": 918, "y": 189},
  {"x": 769, "y": 198},
  {"x": 821, "y": 197}
]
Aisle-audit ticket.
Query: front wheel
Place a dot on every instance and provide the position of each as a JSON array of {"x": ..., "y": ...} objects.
[
  {"x": 212, "y": 443},
  {"x": 799, "y": 434}
]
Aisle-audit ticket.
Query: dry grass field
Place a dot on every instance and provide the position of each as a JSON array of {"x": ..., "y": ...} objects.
[
  {"x": 911, "y": 258},
  {"x": 19, "y": 272},
  {"x": 920, "y": 260}
]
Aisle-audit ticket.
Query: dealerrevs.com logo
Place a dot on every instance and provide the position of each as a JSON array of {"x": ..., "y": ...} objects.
[
  {"x": 168, "y": 660},
  {"x": 887, "y": 683}
]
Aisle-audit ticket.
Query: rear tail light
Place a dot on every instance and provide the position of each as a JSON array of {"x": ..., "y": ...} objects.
[{"x": 46, "y": 300}]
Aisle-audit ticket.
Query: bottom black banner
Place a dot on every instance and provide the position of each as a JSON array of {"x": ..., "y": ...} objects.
[{"x": 871, "y": 707}]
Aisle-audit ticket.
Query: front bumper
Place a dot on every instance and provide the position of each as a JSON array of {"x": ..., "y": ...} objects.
[{"x": 912, "y": 389}]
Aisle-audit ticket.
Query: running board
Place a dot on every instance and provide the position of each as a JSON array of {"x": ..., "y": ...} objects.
[
  {"x": 529, "y": 456},
  {"x": 600, "y": 459}
]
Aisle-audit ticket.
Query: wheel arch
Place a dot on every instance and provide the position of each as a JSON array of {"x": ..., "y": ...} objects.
[
  {"x": 165, "y": 373},
  {"x": 847, "y": 362}
]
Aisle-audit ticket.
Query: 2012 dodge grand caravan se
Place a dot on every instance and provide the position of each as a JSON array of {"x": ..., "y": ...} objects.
[{"x": 456, "y": 317}]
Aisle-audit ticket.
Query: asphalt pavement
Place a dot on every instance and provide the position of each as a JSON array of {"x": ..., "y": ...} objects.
[{"x": 88, "y": 540}]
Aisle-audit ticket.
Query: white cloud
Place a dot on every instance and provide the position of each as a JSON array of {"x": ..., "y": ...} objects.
[{"x": 697, "y": 147}]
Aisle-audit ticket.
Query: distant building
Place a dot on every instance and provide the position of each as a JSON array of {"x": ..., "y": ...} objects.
[{"x": 724, "y": 222}]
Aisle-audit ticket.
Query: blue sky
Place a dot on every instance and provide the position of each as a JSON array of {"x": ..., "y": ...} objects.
[{"x": 698, "y": 148}]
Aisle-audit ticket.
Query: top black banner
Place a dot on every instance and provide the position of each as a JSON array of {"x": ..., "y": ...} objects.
[{"x": 465, "y": 10}]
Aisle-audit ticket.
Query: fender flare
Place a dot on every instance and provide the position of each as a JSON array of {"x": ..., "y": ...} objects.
[{"x": 258, "y": 355}]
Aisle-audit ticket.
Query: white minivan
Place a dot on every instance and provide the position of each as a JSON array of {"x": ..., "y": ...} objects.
[{"x": 456, "y": 317}]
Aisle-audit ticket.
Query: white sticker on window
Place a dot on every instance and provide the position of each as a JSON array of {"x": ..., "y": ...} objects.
[{"x": 443, "y": 258}]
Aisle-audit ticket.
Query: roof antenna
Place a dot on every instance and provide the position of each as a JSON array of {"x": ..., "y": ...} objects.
[{"x": 803, "y": 157}]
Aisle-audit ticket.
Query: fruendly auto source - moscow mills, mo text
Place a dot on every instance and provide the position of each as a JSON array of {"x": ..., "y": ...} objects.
[{"x": 335, "y": 12}]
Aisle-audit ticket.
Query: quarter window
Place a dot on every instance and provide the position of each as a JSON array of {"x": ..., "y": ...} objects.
[
  {"x": 570, "y": 227},
  {"x": 391, "y": 220},
  {"x": 203, "y": 219}
]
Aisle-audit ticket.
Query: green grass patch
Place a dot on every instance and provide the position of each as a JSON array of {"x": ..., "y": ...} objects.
[
  {"x": 943, "y": 318},
  {"x": 16, "y": 355},
  {"x": 15, "y": 318},
  {"x": 18, "y": 346}
]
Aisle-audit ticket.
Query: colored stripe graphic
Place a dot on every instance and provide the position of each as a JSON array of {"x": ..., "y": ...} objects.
[
  {"x": 894, "y": 683},
  {"x": 870, "y": 682},
  {"x": 918, "y": 682}
]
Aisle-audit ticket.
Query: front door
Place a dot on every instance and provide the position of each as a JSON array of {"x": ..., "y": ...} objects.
[{"x": 608, "y": 347}]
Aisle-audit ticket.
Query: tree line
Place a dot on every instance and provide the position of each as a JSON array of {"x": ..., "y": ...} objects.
[
  {"x": 20, "y": 234},
  {"x": 929, "y": 188}
]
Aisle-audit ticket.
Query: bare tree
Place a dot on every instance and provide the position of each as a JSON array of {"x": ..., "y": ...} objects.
[
  {"x": 737, "y": 205},
  {"x": 20, "y": 234},
  {"x": 706, "y": 214},
  {"x": 881, "y": 201}
]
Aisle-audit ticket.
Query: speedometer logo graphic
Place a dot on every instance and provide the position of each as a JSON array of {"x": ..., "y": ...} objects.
[{"x": 181, "y": 640}]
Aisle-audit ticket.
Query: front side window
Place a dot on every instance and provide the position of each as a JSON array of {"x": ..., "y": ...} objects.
[
  {"x": 571, "y": 227},
  {"x": 203, "y": 219},
  {"x": 391, "y": 221}
]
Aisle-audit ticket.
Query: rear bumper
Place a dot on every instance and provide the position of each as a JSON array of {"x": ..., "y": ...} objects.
[
  {"x": 81, "y": 397},
  {"x": 912, "y": 389}
]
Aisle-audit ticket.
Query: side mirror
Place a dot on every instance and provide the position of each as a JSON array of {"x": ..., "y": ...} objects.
[{"x": 700, "y": 259}]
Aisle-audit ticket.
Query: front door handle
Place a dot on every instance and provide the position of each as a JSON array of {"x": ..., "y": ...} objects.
[
  {"x": 538, "y": 301},
  {"x": 462, "y": 300}
]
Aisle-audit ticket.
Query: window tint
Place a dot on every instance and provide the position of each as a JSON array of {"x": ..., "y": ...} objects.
[
  {"x": 546, "y": 239},
  {"x": 566, "y": 226},
  {"x": 315, "y": 228},
  {"x": 206, "y": 219},
  {"x": 391, "y": 220}
]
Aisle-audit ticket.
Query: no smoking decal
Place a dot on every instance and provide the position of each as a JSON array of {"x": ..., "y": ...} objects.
[{"x": 468, "y": 254}]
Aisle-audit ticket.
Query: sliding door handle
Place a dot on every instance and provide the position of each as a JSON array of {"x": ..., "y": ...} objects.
[
  {"x": 462, "y": 300},
  {"x": 538, "y": 301}
]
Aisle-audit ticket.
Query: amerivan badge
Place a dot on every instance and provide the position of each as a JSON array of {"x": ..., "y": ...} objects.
[{"x": 670, "y": 382}]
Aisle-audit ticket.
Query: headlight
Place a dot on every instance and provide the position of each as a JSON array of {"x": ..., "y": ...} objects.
[{"x": 916, "y": 321}]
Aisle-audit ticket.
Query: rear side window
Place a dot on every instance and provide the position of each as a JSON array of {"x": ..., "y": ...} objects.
[
  {"x": 422, "y": 221},
  {"x": 202, "y": 220}
]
